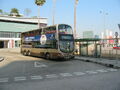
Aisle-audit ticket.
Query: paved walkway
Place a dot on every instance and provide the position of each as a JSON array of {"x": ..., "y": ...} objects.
[
  {"x": 106, "y": 62},
  {"x": 9, "y": 55}
]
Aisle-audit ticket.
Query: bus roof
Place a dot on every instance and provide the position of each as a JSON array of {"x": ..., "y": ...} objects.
[{"x": 44, "y": 27}]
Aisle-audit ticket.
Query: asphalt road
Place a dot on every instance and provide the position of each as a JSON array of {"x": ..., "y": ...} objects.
[{"x": 58, "y": 75}]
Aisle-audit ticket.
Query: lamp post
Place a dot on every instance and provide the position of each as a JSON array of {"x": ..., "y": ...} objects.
[
  {"x": 39, "y": 17},
  {"x": 54, "y": 6},
  {"x": 119, "y": 30},
  {"x": 39, "y": 3},
  {"x": 104, "y": 21},
  {"x": 75, "y": 5}
]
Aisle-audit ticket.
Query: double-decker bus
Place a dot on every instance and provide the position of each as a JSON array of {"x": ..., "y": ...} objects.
[{"x": 51, "y": 42}]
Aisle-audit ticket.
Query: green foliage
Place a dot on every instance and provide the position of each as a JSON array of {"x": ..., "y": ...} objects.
[
  {"x": 5, "y": 13},
  {"x": 14, "y": 12},
  {"x": 40, "y": 2},
  {"x": 34, "y": 17},
  {"x": 1, "y": 11}
]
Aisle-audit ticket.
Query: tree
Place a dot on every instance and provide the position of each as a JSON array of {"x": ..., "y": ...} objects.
[
  {"x": 14, "y": 12},
  {"x": 1, "y": 12},
  {"x": 27, "y": 11},
  {"x": 39, "y": 3},
  {"x": 6, "y": 13},
  {"x": 34, "y": 17}
]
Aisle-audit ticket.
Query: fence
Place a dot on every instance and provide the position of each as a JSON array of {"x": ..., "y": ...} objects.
[{"x": 98, "y": 48}]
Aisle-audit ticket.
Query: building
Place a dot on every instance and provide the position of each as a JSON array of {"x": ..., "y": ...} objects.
[
  {"x": 96, "y": 36},
  {"x": 107, "y": 34},
  {"x": 11, "y": 28},
  {"x": 88, "y": 34}
]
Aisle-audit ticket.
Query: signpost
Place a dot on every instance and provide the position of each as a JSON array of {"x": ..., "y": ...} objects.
[
  {"x": 116, "y": 38},
  {"x": 119, "y": 28},
  {"x": 116, "y": 41}
]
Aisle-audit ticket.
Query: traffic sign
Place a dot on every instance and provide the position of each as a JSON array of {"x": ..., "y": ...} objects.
[{"x": 116, "y": 34}]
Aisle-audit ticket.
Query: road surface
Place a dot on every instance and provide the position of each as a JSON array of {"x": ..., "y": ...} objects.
[{"x": 58, "y": 75}]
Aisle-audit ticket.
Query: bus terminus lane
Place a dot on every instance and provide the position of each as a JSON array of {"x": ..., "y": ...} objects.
[{"x": 51, "y": 42}]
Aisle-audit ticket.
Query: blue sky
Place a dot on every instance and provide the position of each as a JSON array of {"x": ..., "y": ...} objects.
[{"x": 88, "y": 13}]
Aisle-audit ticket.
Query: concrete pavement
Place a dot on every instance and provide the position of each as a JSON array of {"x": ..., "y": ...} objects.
[
  {"x": 9, "y": 55},
  {"x": 106, "y": 62}
]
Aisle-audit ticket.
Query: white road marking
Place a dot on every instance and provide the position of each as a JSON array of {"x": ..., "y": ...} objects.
[
  {"x": 3, "y": 80},
  {"x": 66, "y": 74},
  {"x": 113, "y": 70},
  {"x": 79, "y": 73},
  {"x": 38, "y": 64},
  {"x": 91, "y": 72},
  {"x": 19, "y": 78},
  {"x": 36, "y": 77},
  {"x": 102, "y": 70},
  {"x": 51, "y": 76}
]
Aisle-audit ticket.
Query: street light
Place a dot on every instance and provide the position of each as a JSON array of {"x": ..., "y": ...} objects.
[
  {"x": 104, "y": 21},
  {"x": 75, "y": 5},
  {"x": 54, "y": 6},
  {"x": 39, "y": 17},
  {"x": 39, "y": 3}
]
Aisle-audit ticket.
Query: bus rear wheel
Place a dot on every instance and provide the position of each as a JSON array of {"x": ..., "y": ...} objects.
[
  {"x": 24, "y": 53},
  {"x": 47, "y": 56}
]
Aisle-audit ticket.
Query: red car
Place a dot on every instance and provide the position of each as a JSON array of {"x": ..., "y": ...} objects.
[{"x": 116, "y": 47}]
